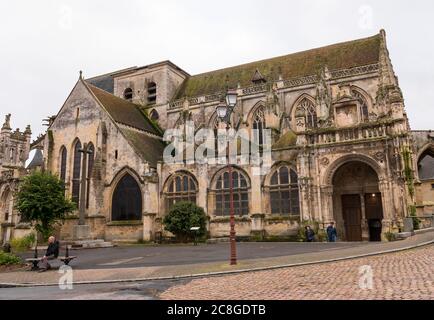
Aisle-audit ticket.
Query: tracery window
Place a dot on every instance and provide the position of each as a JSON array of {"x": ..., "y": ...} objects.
[
  {"x": 307, "y": 108},
  {"x": 90, "y": 161},
  {"x": 364, "y": 113},
  {"x": 180, "y": 187},
  {"x": 63, "y": 159},
  {"x": 240, "y": 189},
  {"x": 259, "y": 126},
  {"x": 284, "y": 193},
  {"x": 76, "y": 173},
  {"x": 127, "y": 200}
]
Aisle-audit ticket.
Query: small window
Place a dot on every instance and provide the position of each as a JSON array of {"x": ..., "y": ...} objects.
[
  {"x": 116, "y": 154},
  {"x": 432, "y": 186},
  {"x": 128, "y": 94},
  {"x": 154, "y": 115},
  {"x": 152, "y": 92}
]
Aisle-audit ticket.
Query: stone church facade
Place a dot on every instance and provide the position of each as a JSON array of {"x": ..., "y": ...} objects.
[{"x": 342, "y": 147}]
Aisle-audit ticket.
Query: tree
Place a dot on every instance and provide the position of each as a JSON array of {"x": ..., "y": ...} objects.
[
  {"x": 41, "y": 200},
  {"x": 182, "y": 217}
]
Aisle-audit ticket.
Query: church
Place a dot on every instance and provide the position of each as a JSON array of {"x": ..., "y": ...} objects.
[{"x": 342, "y": 149}]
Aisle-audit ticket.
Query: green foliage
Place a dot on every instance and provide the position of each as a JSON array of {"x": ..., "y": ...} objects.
[
  {"x": 182, "y": 217},
  {"x": 390, "y": 236},
  {"x": 41, "y": 199},
  {"x": 320, "y": 234},
  {"x": 23, "y": 244},
  {"x": 416, "y": 220},
  {"x": 7, "y": 259},
  {"x": 408, "y": 172}
]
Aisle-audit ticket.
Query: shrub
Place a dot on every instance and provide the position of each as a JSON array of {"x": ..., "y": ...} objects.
[
  {"x": 23, "y": 244},
  {"x": 182, "y": 217},
  {"x": 7, "y": 259},
  {"x": 390, "y": 236}
]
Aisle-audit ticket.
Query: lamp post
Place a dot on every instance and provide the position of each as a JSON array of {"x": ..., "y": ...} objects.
[{"x": 224, "y": 111}]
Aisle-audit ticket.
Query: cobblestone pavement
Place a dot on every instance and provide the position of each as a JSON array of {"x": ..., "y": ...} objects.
[{"x": 407, "y": 275}]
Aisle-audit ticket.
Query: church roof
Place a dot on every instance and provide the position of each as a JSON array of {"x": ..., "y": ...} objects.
[
  {"x": 123, "y": 111},
  {"x": 136, "y": 127},
  {"x": 338, "y": 56},
  {"x": 148, "y": 147},
  {"x": 37, "y": 161}
]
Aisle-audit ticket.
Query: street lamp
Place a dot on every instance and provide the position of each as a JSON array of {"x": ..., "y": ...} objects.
[{"x": 224, "y": 111}]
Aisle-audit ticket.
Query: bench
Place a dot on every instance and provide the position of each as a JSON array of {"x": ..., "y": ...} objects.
[{"x": 65, "y": 259}]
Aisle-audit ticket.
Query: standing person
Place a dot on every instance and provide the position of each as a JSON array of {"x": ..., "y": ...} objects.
[
  {"x": 51, "y": 253},
  {"x": 310, "y": 234},
  {"x": 332, "y": 233}
]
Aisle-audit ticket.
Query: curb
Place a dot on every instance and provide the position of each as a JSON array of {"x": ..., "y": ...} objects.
[{"x": 211, "y": 274}]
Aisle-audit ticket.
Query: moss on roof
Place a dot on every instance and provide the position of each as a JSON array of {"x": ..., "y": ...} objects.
[
  {"x": 286, "y": 140},
  {"x": 338, "y": 56},
  {"x": 150, "y": 148},
  {"x": 123, "y": 111}
]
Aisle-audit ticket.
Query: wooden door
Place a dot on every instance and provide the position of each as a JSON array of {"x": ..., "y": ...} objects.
[{"x": 352, "y": 215}]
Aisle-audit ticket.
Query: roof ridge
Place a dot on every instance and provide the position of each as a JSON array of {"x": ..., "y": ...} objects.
[{"x": 286, "y": 55}]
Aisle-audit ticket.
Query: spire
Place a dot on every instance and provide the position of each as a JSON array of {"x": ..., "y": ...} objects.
[
  {"x": 81, "y": 75},
  {"x": 28, "y": 131},
  {"x": 7, "y": 124},
  {"x": 387, "y": 75}
]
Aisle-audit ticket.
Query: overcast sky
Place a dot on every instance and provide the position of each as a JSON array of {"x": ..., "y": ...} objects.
[{"x": 44, "y": 43}]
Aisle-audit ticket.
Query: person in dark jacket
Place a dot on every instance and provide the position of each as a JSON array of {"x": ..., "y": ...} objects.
[
  {"x": 332, "y": 233},
  {"x": 310, "y": 234},
  {"x": 51, "y": 253}
]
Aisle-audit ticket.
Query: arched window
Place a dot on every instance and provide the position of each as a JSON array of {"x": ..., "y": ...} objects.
[
  {"x": 180, "y": 187},
  {"x": 259, "y": 126},
  {"x": 76, "y": 173},
  {"x": 240, "y": 189},
  {"x": 152, "y": 92},
  {"x": 310, "y": 113},
  {"x": 154, "y": 115},
  {"x": 90, "y": 160},
  {"x": 127, "y": 200},
  {"x": 128, "y": 94},
  {"x": 364, "y": 113},
  {"x": 426, "y": 166},
  {"x": 284, "y": 195},
  {"x": 4, "y": 205},
  {"x": 63, "y": 159}
]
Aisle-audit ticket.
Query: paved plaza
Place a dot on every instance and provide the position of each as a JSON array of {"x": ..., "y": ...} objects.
[{"x": 407, "y": 275}]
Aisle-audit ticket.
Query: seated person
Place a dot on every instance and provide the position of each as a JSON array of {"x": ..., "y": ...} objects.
[{"x": 51, "y": 254}]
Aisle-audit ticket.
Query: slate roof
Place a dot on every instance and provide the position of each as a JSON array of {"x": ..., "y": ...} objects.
[
  {"x": 37, "y": 161},
  {"x": 123, "y": 111},
  {"x": 338, "y": 56},
  {"x": 136, "y": 127},
  {"x": 148, "y": 147}
]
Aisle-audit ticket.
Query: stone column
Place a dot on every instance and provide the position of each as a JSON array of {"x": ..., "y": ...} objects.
[
  {"x": 256, "y": 194},
  {"x": 258, "y": 231},
  {"x": 148, "y": 226},
  {"x": 202, "y": 179},
  {"x": 364, "y": 222}
]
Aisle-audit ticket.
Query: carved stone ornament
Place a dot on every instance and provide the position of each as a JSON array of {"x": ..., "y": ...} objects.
[
  {"x": 379, "y": 156},
  {"x": 325, "y": 161}
]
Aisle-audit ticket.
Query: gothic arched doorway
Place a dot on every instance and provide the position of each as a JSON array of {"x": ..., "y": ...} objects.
[
  {"x": 357, "y": 202},
  {"x": 127, "y": 200}
]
